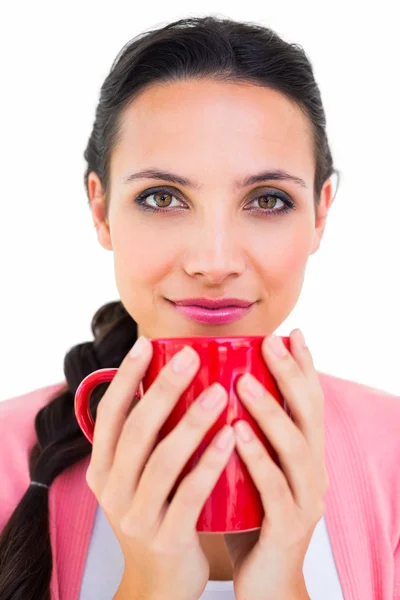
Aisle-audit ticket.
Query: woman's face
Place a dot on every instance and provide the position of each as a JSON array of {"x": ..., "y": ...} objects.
[{"x": 213, "y": 238}]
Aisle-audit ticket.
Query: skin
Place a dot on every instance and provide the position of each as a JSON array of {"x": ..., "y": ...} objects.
[{"x": 213, "y": 133}]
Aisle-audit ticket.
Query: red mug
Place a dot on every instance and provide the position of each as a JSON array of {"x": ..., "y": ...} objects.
[{"x": 235, "y": 503}]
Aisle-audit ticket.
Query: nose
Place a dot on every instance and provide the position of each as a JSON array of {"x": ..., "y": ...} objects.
[{"x": 214, "y": 252}]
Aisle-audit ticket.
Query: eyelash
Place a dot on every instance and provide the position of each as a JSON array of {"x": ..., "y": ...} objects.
[{"x": 289, "y": 205}]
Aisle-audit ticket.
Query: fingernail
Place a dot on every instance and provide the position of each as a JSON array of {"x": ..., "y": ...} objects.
[
  {"x": 184, "y": 359},
  {"x": 212, "y": 397},
  {"x": 277, "y": 346},
  {"x": 224, "y": 437},
  {"x": 252, "y": 386},
  {"x": 300, "y": 337},
  {"x": 138, "y": 347},
  {"x": 244, "y": 431}
]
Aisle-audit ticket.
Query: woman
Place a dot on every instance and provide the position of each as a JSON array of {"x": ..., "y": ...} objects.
[{"x": 209, "y": 175}]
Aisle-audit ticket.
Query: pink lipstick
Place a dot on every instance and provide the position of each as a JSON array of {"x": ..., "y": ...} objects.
[{"x": 213, "y": 311}]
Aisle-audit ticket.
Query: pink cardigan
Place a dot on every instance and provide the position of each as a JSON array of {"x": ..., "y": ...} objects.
[{"x": 362, "y": 505}]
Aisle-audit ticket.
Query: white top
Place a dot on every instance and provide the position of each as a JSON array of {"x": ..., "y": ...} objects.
[{"x": 104, "y": 568}]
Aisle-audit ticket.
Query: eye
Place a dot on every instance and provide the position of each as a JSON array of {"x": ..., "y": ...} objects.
[
  {"x": 268, "y": 201},
  {"x": 162, "y": 199}
]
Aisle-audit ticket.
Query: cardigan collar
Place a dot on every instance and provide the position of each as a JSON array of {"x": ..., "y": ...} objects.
[{"x": 350, "y": 520}]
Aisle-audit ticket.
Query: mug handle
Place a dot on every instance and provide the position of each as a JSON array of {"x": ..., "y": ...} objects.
[{"x": 82, "y": 397}]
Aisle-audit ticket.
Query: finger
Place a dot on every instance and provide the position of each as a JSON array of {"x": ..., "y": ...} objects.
[
  {"x": 286, "y": 522},
  {"x": 294, "y": 387},
  {"x": 183, "y": 512},
  {"x": 172, "y": 454},
  {"x": 113, "y": 409},
  {"x": 314, "y": 434},
  {"x": 140, "y": 430},
  {"x": 312, "y": 426},
  {"x": 295, "y": 456},
  {"x": 276, "y": 495},
  {"x": 303, "y": 357}
]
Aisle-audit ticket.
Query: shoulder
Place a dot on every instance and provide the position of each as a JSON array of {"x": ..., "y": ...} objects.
[
  {"x": 372, "y": 411},
  {"x": 17, "y": 415},
  {"x": 17, "y": 436},
  {"x": 371, "y": 418},
  {"x": 366, "y": 420}
]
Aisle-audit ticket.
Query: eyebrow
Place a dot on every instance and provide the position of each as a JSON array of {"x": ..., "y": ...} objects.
[{"x": 274, "y": 175}]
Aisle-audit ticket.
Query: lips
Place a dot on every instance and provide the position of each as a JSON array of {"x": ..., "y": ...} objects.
[
  {"x": 214, "y": 303},
  {"x": 213, "y": 315}
]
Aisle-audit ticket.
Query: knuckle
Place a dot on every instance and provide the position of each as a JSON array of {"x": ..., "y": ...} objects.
[
  {"x": 259, "y": 456},
  {"x": 93, "y": 477},
  {"x": 161, "y": 463},
  {"x": 296, "y": 378},
  {"x": 134, "y": 430},
  {"x": 213, "y": 458},
  {"x": 271, "y": 410},
  {"x": 195, "y": 417},
  {"x": 286, "y": 366},
  {"x": 167, "y": 382},
  {"x": 211, "y": 461},
  {"x": 194, "y": 486},
  {"x": 192, "y": 490},
  {"x": 298, "y": 449},
  {"x": 290, "y": 372},
  {"x": 279, "y": 487},
  {"x": 130, "y": 525},
  {"x": 106, "y": 500}
]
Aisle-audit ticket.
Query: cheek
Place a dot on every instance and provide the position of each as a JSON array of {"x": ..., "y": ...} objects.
[
  {"x": 285, "y": 263},
  {"x": 140, "y": 254}
]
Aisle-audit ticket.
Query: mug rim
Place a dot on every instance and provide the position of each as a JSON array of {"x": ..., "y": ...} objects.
[{"x": 214, "y": 338}]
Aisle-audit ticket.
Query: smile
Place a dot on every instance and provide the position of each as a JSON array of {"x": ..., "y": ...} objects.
[{"x": 213, "y": 316}]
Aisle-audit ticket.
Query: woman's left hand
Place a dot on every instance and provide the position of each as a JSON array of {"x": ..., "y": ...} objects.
[{"x": 268, "y": 562}]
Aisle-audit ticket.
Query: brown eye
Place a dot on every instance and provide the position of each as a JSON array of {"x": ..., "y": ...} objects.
[
  {"x": 157, "y": 200},
  {"x": 160, "y": 199},
  {"x": 164, "y": 199},
  {"x": 268, "y": 201}
]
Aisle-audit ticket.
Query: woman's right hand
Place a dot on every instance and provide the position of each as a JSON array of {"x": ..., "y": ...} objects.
[{"x": 132, "y": 480}]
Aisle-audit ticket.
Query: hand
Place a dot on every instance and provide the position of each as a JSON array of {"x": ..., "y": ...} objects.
[
  {"x": 161, "y": 547},
  {"x": 267, "y": 563}
]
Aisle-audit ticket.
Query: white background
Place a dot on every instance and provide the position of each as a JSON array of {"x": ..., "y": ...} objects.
[{"x": 54, "y": 274}]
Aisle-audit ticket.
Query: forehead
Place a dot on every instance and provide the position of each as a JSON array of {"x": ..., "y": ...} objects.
[{"x": 210, "y": 125}]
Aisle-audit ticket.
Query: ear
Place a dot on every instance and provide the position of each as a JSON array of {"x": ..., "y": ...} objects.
[
  {"x": 98, "y": 207},
  {"x": 326, "y": 199}
]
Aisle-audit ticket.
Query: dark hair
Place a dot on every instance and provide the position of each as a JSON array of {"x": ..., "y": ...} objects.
[{"x": 221, "y": 49}]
